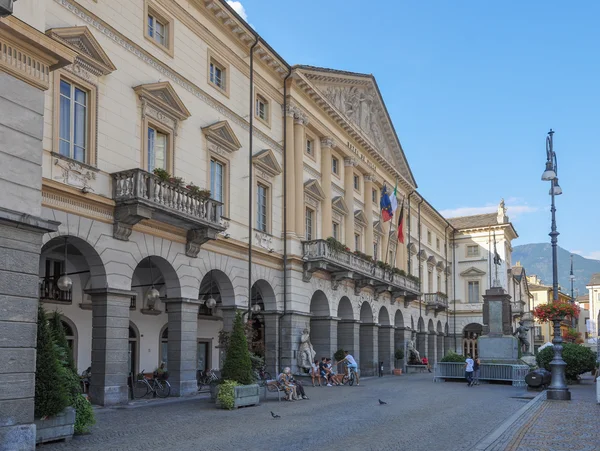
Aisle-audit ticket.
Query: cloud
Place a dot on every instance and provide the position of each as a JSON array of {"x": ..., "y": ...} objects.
[
  {"x": 238, "y": 8},
  {"x": 593, "y": 255},
  {"x": 514, "y": 208}
]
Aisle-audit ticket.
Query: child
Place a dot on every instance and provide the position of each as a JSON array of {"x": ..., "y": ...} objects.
[{"x": 314, "y": 372}]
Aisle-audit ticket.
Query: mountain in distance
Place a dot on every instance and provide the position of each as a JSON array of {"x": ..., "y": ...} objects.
[{"x": 537, "y": 259}]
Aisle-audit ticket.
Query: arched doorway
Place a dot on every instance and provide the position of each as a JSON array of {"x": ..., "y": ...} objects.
[
  {"x": 322, "y": 333},
  {"x": 385, "y": 341},
  {"x": 264, "y": 320},
  {"x": 470, "y": 334},
  {"x": 368, "y": 338},
  {"x": 347, "y": 330},
  {"x": 421, "y": 337},
  {"x": 71, "y": 336}
]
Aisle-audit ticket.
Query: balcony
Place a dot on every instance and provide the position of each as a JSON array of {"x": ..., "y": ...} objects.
[
  {"x": 49, "y": 292},
  {"x": 141, "y": 195},
  {"x": 436, "y": 302},
  {"x": 323, "y": 255},
  {"x": 518, "y": 308}
]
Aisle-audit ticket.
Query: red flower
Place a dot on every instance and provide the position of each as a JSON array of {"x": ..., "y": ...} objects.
[{"x": 555, "y": 310}]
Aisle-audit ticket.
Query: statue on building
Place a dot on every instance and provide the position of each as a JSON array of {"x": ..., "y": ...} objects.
[
  {"x": 306, "y": 352},
  {"x": 521, "y": 333},
  {"x": 413, "y": 355}
]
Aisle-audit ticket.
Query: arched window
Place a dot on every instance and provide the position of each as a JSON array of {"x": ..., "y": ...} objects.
[
  {"x": 71, "y": 334},
  {"x": 164, "y": 346},
  {"x": 132, "y": 360}
]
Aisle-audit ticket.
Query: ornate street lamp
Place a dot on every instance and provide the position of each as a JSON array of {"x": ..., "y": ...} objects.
[
  {"x": 558, "y": 389},
  {"x": 572, "y": 277},
  {"x": 64, "y": 283},
  {"x": 152, "y": 295}
]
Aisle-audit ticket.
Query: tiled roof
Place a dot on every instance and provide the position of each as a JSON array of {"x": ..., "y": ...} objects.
[
  {"x": 475, "y": 221},
  {"x": 595, "y": 279}
]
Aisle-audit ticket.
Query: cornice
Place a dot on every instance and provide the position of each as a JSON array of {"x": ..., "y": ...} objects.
[{"x": 118, "y": 38}]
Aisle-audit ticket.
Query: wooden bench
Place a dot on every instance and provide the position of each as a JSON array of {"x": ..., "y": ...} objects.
[
  {"x": 274, "y": 387},
  {"x": 415, "y": 368}
]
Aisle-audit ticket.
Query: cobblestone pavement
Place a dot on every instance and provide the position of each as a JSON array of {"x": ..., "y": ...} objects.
[
  {"x": 556, "y": 425},
  {"x": 420, "y": 415}
]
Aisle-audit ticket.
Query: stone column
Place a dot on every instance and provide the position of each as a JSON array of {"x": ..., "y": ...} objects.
[
  {"x": 386, "y": 348},
  {"x": 440, "y": 347},
  {"x": 292, "y": 325},
  {"x": 323, "y": 336},
  {"x": 326, "y": 145},
  {"x": 422, "y": 343},
  {"x": 349, "y": 164},
  {"x": 271, "y": 321},
  {"x": 368, "y": 200},
  {"x": 290, "y": 173},
  {"x": 300, "y": 123},
  {"x": 432, "y": 347},
  {"x": 110, "y": 346},
  {"x": 182, "y": 348},
  {"x": 348, "y": 333},
  {"x": 369, "y": 349}
]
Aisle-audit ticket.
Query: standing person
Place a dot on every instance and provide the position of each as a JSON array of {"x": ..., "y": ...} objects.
[
  {"x": 476, "y": 371},
  {"x": 351, "y": 365},
  {"x": 469, "y": 370},
  {"x": 315, "y": 373}
]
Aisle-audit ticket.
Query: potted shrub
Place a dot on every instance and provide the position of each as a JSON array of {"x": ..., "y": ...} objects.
[
  {"x": 398, "y": 355},
  {"x": 162, "y": 174},
  {"x": 237, "y": 369},
  {"x": 54, "y": 419}
]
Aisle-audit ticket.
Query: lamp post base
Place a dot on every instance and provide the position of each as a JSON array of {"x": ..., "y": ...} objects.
[{"x": 558, "y": 395}]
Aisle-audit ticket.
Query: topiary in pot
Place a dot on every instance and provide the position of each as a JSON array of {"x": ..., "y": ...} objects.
[
  {"x": 84, "y": 418},
  {"x": 51, "y": 397},
  {"x": 238, "y": 365},
  {"x": 399, "y": 354},
  {"x": 579, "y": 359},
  {"x": 339, "y": 355},
  {"x": 226, "y": 396}
]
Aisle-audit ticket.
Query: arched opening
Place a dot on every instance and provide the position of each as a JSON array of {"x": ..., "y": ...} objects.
[
  {"x": 368, "y": 339},
  {"x": 322, "y": 336},
  {"x": 440, "y": 341},
  {"x": 71, "y": 335},
  {"x": 164, "y": 345},
  {"x": 216, "y": 285},
  {"x": 347, "y": 329},
  {"x": 385, "y": 341},
  {"x": 154, "y": 280},
  {"x": 421, "y": 337},
  {"x": 431, "y": 342},
  {"x": 133, "y": 349},
  {"x": 469, "y": 342},
  {"x": 398, "y": 334}
]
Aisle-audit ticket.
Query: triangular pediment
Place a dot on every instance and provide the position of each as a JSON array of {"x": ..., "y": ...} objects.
[
  {"x": 360, "y": 217},
  {"x": 313, "y": 189},
  {"x": 222, "y": 133},
  {"x": 339, "y": 205},
  {"x": 356, "y": 98},
  {"x": 378, "y": 227},
  {"x": 81, "y": 40},
  {"x": 265, "y": 160},
  {"x": 422, "y": 255},
  {"x": 163, "y": 96},
  {"x": 472, "y": 272}
]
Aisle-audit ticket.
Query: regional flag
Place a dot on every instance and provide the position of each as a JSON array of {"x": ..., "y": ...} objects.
[
  {"x": 394, "y": 199},
  {"x": 386, "y": 205},
  {"x": 401, "y": 224}
]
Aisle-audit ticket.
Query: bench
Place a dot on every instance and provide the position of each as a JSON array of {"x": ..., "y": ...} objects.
[
  {"x": 274, "y": 387},
  {"x": 415, "y": 368}
]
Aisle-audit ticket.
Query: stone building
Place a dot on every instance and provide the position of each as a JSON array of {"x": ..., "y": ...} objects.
[{"x": 173, "y": 137}]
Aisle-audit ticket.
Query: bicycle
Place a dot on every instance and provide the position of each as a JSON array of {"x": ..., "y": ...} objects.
[
  {"x": 206, "y": 378},
  {"x": 262, "y": 376},
  {"x": 143, "y": 386},
  {"x": 349, "y": 376}
]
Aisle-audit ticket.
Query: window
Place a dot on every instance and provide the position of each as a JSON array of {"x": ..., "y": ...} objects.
[
  {"x": 430, "y": 282},
  {"x": 310, "y": 147},
  {"x": 357, "y": 242},
  {"x": 437, "y": 244},
  {"x": 335, "y": 228},
  {"x": 472, "y": 250},
  {"x": 217, "y": 180},
  {"x": 157, "y": 150},
  {"x": 375, "y": 250},
  {"x": 261, "y": 209},
  {"x": 335, "y": 165},
  {"x": 73, "y": 121},
  {"x": 374, "y": 195},
  {"x": 309, "y": 224},
  {"x": 48, "y": 285},
  {"x": 439, "y": 282},
  {"x": 217, "y": 75},
  {"x": 157, "y": 30},
  {"x": 428, "y": 237},
  {"x": 262, "y": 108},
  {"x": 473, "y": 288},
  {"x": 159, "y": 27},
  {"x": 356, "y": 183}
]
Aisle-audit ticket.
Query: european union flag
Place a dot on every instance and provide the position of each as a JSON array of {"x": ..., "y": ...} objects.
[{"x": 386, "y": 205}]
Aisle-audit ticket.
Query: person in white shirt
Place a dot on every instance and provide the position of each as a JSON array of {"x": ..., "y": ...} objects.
[
  {"x": 469, "y": 370},
  {"x": 351, "y": 365}
]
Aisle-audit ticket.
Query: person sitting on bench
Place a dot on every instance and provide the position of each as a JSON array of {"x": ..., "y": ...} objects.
[{"x": 425, "y": 361}]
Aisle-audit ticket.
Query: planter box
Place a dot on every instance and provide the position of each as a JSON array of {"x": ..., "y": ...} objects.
[
  {"x": 59, "y": 427},
  {"x": 245, "y": 395},
  {"x": 397, "y": 372}
]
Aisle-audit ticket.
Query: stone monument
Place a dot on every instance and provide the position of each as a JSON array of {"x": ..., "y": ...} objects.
[
  {"x": 306, "y": 352},
  {"x": 497, "y": 342}
]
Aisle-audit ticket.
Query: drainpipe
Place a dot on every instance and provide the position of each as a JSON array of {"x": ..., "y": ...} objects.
[
  {"x": 409, "y": 229},
  {"x": 419, "y": 258},
  {"x": 250, "y": 186},
  {"x": 454, "y": 282},
  {"x": 285, "y": 194}
]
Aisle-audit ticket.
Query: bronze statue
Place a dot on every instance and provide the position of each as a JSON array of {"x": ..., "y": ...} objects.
[{"x": 521, "y": 331}]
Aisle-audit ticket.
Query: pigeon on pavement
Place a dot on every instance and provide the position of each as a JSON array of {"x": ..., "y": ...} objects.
[
  {"x": 274, "y": 415},
  {"x": 382, "y": 402}
]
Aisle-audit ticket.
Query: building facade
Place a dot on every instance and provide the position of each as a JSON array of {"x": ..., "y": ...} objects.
[{"x": 188, "y": 172}]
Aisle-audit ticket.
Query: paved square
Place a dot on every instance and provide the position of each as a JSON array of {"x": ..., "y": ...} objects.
[{"x": 420, "y": 415}]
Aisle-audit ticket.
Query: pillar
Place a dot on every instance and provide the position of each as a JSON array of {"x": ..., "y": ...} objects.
[
  {"x": 271, "y": 321},
  {"x": 422, "y": 343},
  {"x": 182, "y": 347},
  {"x": 369, "y": 349},
  {"x": 323, "y": 336},
  {"x": 386, "y": 348},
  {"x": 431, "y": 347},
  {"x": 440, "y": 347},
  {"x": 110, "y": 346},
  {"x": 348, "y": 333},
  {"x": 349, "y": 164},
  {"x": 300, "y": 123},
  {"x": 290, "y": 173},
  {"x": 292, "y": 325},
  {"x": 326, "y": 145},
  {"x": 367, "y": 199}
]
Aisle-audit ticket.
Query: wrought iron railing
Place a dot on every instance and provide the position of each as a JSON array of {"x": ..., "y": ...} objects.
[
  {"x": 137, "y": 184},
  {"x": 436, "y": 299},
  {"x": 316, "y": 250},
  {"x": 49, "y": 291}
]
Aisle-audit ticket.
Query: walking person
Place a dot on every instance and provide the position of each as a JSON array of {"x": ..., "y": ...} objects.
[
  {"x": 476, "y": 370},
  {"x": 469, "y": 370}
]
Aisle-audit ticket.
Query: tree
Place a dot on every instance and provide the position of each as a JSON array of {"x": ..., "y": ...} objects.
[
  {"x": 58, "y": 334},
  {"x": 51, "y": 397},
  {"x": 579, "y": 359},
  {"x": 238, "y": 365}
]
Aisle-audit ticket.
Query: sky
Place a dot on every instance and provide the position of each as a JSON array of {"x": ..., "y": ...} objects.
[{"x": 472, "y": 88}]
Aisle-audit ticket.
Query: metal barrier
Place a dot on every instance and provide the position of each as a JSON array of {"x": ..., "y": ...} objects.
[{"x": 488, "y": 371}]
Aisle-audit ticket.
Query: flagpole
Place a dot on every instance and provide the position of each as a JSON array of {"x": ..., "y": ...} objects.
[
  {"x": 387, "y": 251},
  {"x": 397, "y": 239}
]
